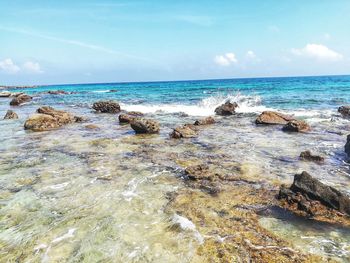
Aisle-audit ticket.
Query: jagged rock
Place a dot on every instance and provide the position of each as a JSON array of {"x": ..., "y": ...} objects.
[
  {"x": 272, "y": 117},
  {"x": 129, "y": 116},
  {"x": 198, "y": 172},
  {"x": 308, "y": 156},
  {"x": 20, "y": 99},
  {"x": 5, "y": 94},
  {"x": 10, "y": 115},
  {"x": 48, "y": 119},
  {"x": 305, "y": 188},
  {"x": 344, "y": 111},
  {"x": 57, "y": 92},
  {"x": 205, "y": 121},
  {"x": 227, "y": 108},
  {"x": 296, "y": 126},
  {"x": 106, "y": 106},
  {"x": 347, "y": 145},
  {"x": 184, "y": 131},
  {"x": 141, "y": 125}
]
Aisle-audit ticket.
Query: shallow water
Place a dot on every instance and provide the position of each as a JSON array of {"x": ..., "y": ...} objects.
[{"x": 76, "y": 195}]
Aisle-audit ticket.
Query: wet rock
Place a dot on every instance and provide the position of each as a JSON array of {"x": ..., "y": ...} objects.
[
  {"x": 5, "y": 94},
  {"x": 272, "y": 117},
  {"x": 296, "y": 126},
  {"x": 23, "y": 98},
  {"x": 48, "y": 118},
  {"x": 306, "y": 189},
  {"x": 344, "y": 111},
  {"x": 106, "y": 106},
  {"x": 226, "y": 109},
  {"x": 141, "y": 125},
  {"x": 200, "y": 172},
  {"x": 113, "y": 90},
  {"x": 184, "y": 131},
  {"x": 308, "y": 156},
  {"x": 10, "y": 115},
  {"x": 57, "y": 92},
  {"x": 92, "y": 127},
  {"x": 129, "y": 116},
  {"x": 205, "y": 121},
  {"x": 347, "y": 145}
]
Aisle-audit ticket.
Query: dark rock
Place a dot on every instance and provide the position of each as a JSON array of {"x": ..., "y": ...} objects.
[
  {"x": 226, "y": 109},
  {"x": 5, "y": 94},
  {"x": 305, "y": 188},
  {"x": 57, "y": 92},
  {"x": 23, "y": 98},
  {"x": 10, "y": 115},
  {"x": 205, "y": 121},
  {"x": 272, "y": 117},
  {"x": 344, "y": 111},
  {"x": 347, "y": 145},
  {"x": 48, "y": 119},
  {"x": 184, "y": 131},
  {"x": 129, "y": 116},
  {"x": 308, "y": 156},
  {"x": 113, "y": 90},
  {"x": 296, "y": 126},
  {"x": 106, "y": 106},
  {"x": 141, "y": 125}
]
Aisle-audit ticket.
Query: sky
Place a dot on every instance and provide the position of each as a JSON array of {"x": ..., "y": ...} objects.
[{"x": 90, "y": 41}]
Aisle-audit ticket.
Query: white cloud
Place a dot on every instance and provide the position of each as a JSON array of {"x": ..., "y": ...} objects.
[
  {"x": 250, "y": 54},
  {"x": 319, "y": 52},
  {"x": 32, "y": 67},
  {"x": 226, "y": 59},
  {"x": 8, "y": 66}
]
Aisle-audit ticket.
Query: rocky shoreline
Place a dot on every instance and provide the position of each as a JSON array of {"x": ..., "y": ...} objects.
[{"x": 219, "y": 198}]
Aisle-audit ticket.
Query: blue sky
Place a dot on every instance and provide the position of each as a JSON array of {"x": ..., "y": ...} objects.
[{"x": 47, "y": 42}]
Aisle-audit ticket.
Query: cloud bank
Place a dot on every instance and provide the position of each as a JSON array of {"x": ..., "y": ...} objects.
[
  {"x": 7, "y": 66},
  {"x": 319, "y": 52}
]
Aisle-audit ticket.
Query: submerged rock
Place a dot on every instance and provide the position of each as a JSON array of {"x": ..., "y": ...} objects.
[
  {"x": 199, "y": 172},
  {"x": 92, "y": 127},
  {"x": 184, "y": 131},
  {"x": 57, "y": 92},
  {"x": 205, "y": 121},
  {"x": 306, "y": 189},
  {"x": 347, "y": 145},
  {"x": 141, "y": 125},
  {"x": 10, "y": 115},
  {"x": 296, "y": 126},
  {"x": 129, "y": 116},
  {"x": 308, "y": 156},
  {"x": 48, "y": 118},
  {"x": 106, "y": 106},
  {"x": 226, "y": 109},
  {"x": 272, "y": 117},
  {"x": 344, "y": 111},
  {"x": 5, "y": 94},
  {"x": 20, "y": 99}
]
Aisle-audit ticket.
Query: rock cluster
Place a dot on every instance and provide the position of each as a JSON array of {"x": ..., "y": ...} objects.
[
  {"x": 205, "y": 121},
  {"x": 20, "y": 99},
  {"x": 57, "y": 92},
  {"x": 273, "y": 118},
  {"x": 48, "y": 118},
  {"x": 226, "y": 109},
  {"x": 307, "y": 193},
  {"x": 10, "y": 115},
  {"x": 142, "y": 125},
  {"x": 106, "y": 106},
  {"x": 296, "y": 126},
  {"x": 129, "y": 116}
]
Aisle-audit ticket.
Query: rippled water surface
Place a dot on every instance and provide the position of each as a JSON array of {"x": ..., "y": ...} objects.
[{"x": 80, "y": 195}]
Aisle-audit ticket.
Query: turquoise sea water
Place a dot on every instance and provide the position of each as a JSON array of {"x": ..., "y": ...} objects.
[{"x": 81, "y": 195}]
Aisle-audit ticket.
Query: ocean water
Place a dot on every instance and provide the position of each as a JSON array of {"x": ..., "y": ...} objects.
[{"x": 80, "y": 195}]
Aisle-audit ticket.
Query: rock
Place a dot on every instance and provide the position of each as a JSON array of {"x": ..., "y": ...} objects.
[
  {"x": 227, "y": 108},
  {"x": 305, "y": 188},
  {"x": 141, "y": 125},
  {"x": 198, "y": 172},
  {"x": 57, "y": 92},
  {"x": 308, "y": 156},
  {"x": 128, "y": 117},
  {"x": 272, "y": 117},
  {"x": 347, "y": 145},
  {"x": 184, "y": 131},
  {"x": 10, "y": 115},
  {"x": 92, "y": 127},
  {"x": 48, "y": 119},
  {"x": 5, "y": 94},
  {"x": 344, "y": 111},
  {"x": 20, "y": 99},
  {"x": 296, "y": 126},
  {"x": 205, "y": 121},
  {"x": 106, "y": 106},
  {"x": 113, "y": 90}
]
